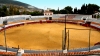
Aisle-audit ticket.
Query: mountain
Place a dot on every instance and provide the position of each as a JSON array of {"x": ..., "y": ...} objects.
[{"x": 14, "y": 2}]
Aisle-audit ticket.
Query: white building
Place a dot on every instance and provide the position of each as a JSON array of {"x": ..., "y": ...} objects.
[{"x": 48, "y": 14}]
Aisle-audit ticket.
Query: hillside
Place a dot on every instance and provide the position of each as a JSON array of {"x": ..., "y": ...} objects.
[{"x": 17, "y": 3}]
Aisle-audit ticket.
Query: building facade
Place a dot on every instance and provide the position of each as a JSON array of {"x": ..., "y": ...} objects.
[{"x": 48, "y": 14}]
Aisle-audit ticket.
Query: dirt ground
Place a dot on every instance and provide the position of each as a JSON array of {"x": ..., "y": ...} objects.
[{"x": 47, "y": 36}]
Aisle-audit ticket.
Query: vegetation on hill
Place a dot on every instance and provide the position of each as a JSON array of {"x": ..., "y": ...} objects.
[
  {"x": 13, "y": 7},
  {"x": 15, "y": 10}
]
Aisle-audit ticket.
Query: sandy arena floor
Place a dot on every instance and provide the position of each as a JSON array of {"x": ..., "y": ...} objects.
[{"x": 47, "y": 36}]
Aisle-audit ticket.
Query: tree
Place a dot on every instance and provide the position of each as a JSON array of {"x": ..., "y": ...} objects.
[
  {"x": 75, "y": 10},
  {"x": 68, "y": 9},
  {"x": 0, "y": 12},
  {"x": 54, "y": 11},
  {"x": 4, "y": 11},
  {"x": 63, "y": 11},
  {"x": 17, "y": 12},
  {"x": 79, "y": 11},
  {"x": 58, "y": 10},
  {"x": 89, "y": 9},
  {"x": 36, "y": 13},
  {"x": 83, "y": 9},
  {"x": 11, "y": 11},
  {"x": 99, "y": 8}
]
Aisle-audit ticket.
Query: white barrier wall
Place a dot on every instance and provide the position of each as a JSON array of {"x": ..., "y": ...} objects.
[
  {"x": 18, "y": 17},
  {"x": 14, "y": 18},
  {"x": 37, "y": 16}
]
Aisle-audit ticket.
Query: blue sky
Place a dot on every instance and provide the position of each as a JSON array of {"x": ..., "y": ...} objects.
[{"x": 54, "y": 4}]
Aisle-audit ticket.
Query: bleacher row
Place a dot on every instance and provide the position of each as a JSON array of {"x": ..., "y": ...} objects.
[{"x": 81, "y": 22}]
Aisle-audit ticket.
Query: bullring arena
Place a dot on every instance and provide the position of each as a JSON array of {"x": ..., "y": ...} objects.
[{"x": 47, "y": 35}]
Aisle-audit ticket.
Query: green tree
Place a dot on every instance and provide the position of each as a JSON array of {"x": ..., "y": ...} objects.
[
  {"x": 68, "y": 9},
  {"x": 0, "y": 12},
  {"x": 83, "y": 9},
  {"x": 63, "y": 11},
  {"x": 58, "y": 11},
  {"x": 4, "y": 11},
  {"x": 89, "y": 9},
  {"x": 11, "y": 11},
  {"x": 75, "y": 10},
  {"x": 17, "y": 12},
  {"x": 36, "y": 13},
  {"x": 79, "y": 11},
  {"x": 54, "y": 11}
]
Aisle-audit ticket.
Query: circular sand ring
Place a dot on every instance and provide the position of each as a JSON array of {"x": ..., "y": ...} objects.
[{"x": 46, "y": 21}]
